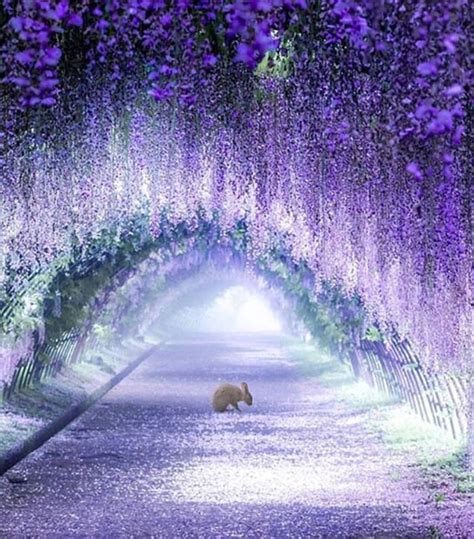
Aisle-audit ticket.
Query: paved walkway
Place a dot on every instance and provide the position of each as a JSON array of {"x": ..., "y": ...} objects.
[{"x": 152, "y": 460}]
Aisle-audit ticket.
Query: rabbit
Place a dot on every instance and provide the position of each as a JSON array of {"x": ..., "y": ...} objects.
[{"x": 227, "y": 394}]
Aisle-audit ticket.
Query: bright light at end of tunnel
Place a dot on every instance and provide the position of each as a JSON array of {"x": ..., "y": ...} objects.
[
  {"x": 255, "y": 315},
  {"x": 244, "y": 311}
]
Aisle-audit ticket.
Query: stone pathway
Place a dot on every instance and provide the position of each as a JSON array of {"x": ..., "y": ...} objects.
[{"x": 152, "y": 460}]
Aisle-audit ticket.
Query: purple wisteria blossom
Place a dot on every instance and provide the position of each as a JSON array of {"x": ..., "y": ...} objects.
[{"x": 339, "y": 131}]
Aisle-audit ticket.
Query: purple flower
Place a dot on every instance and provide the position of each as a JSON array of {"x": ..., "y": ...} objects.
[
  {"x": 450, "y": 41},
  {"x": 166, "y": 20},
  {"x": 48, "y": 84},
  {"x": 442, "y": 123},
  {"x": 22, "y": 82},
  {"x": 25, "y": 57},
  {"x": 160, "y": 94},
  {"x": 246, "y": 54},
  {"x": 261, "y": 5},
  {"x": 103, "y": 24},
  {"x": 52, "y": 55},
  {"x": 48, "y": 101},
  {"x": 17, "y": 24},
  {"x": 43, "y": 38},
  {"x": 264, "y": 43},
  {"x": 414, "y": 169},
  {"x": 454, "y": 90},
  {"x": 62, "y": 9},
  {"x": 209, "y": 60},
  {"x": 448, "y": 157},
  {"x": 75, "y": 19},
  {"x": 167, "y": 70},
  {"x": 189, "y": 100},
  {"x": 458, "y": 134},
  {"x": 32, "y": 101},
  {"x": 427, "y": 69},
  {"x": 424, "y": 110}
]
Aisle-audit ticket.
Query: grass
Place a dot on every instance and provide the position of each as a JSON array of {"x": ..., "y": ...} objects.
[
  {"x": 452, "y": 466},
  {"x": 441, "y": 459},
  {"x": 13, "y": 428},
  {"x": 315, "y": 363},
  {"x": 29, "y": 409}
]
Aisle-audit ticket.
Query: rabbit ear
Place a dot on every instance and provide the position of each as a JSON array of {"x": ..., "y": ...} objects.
[{"x": 245, "y": 386}]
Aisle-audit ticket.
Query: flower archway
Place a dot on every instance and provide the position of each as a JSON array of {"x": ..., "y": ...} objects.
[{"x": 338, "y": 131}]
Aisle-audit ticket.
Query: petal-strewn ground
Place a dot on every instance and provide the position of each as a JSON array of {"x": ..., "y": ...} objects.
[{"x": 151, "y": 459}]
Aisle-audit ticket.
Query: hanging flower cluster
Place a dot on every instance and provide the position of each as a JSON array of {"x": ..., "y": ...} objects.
[
  {"x": 347, "y": 145},
  {"x": 32, "y": 52},
  {"x": 176, "y": 44}
]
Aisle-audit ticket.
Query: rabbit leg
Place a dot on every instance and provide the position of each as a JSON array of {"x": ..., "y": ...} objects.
[{"x": 236, "y": 406}]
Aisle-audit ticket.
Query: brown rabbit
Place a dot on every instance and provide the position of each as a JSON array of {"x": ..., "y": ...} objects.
[{"x": 227, "y": 394}]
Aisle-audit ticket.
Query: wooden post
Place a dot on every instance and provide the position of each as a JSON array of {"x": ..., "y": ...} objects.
[
  {"x": 470, "y": 423},
  {"x": 354, "y": 357}
]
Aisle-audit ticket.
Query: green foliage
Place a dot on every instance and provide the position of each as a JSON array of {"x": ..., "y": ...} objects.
[
  {"x": 330, "y": 316},
  {"x": 77, "y": 297},
  {"x": 80, "y": 278},
  {"x": 373, "y": 334},
  {"x": 453, "y": 465},
  {"x": 71, "y": 292},
  {"x": 102, "y": 332},
  {"x": 435, "y": 532},
  {"x": 443, "y": 460},
  {"x": 275, "y": 64}
]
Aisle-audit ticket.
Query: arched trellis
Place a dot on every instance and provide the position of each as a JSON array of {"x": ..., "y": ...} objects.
[
  {"x": 47, "y": 357},
  {"x": 390, "y": 365}
]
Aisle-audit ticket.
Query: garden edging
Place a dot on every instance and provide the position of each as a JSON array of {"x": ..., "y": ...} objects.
[{"x": 21, "y": 449}]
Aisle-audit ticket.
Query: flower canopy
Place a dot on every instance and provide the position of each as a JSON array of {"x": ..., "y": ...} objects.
[{"x": 339, "y": 130}]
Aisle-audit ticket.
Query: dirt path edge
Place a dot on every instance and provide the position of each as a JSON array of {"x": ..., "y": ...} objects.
[{"x": 21, "y": 449}]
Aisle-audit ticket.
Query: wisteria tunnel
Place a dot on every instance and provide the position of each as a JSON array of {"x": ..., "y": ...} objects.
[{"x": 272, "y": 194}]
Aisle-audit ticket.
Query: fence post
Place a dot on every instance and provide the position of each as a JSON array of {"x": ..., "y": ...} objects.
[
  {"x": 470, "y": 423},
  {"x": 354, "y": 358}
]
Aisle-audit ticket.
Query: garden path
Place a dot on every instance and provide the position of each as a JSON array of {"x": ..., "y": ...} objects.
[{"x": 152, "y": 460}]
